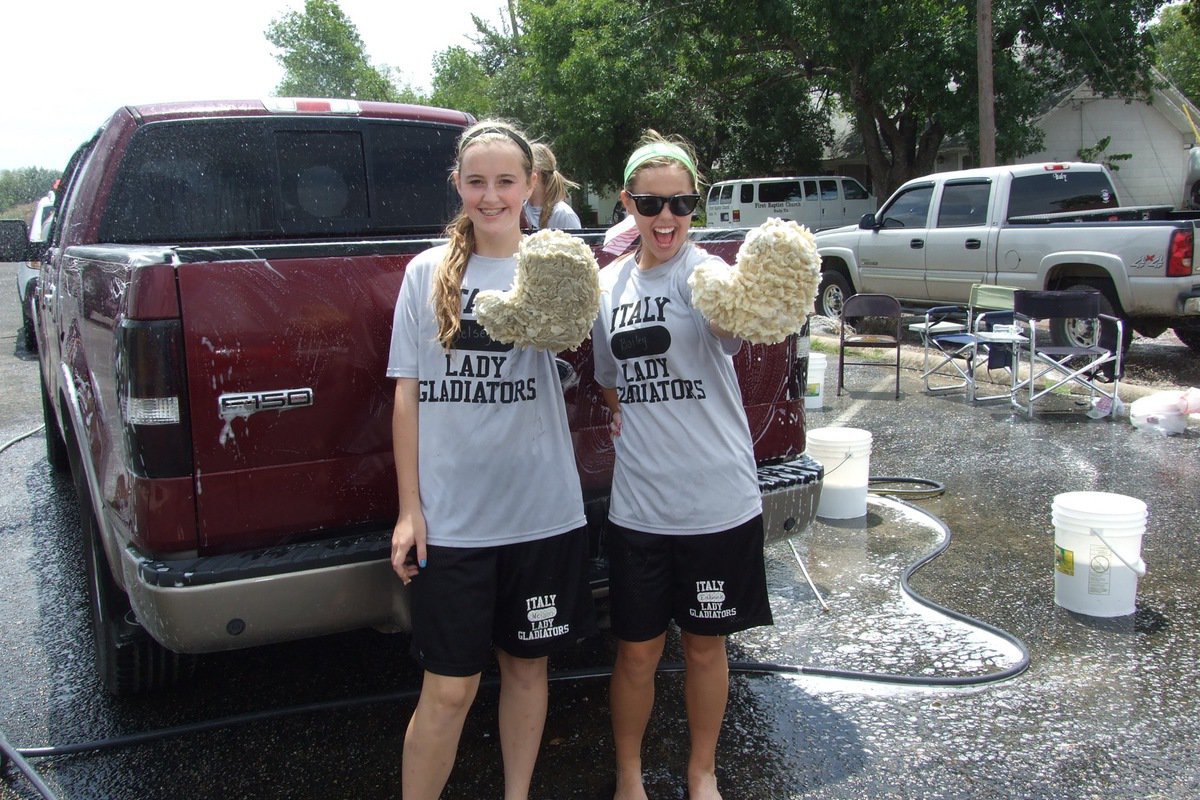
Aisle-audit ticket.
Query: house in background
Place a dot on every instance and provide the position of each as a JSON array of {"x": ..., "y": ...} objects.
[{"x": 1157, "y": 135}]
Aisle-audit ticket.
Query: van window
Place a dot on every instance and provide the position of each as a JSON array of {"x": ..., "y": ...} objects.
[
  {"x": 746, "y": 193},
  {"x": 829, "y": 189},
  {"x": 777, "y": 191},
  {"x": 810, "y": 190},
  {"x": 963, "y": 204},
  {"x": 853, "y": 190},
  {"x": 727, "y": 193},
  {"x": 714, "y": 193},
  {"x": 238, "y": 179},
  {"x": 910, "y": 209}
]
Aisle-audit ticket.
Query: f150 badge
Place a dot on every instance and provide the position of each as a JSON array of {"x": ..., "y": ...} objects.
[{"x": 243, "y": 404}]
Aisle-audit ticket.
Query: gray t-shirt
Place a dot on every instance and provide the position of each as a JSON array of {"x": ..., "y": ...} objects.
[
  {"x": 562, "y": 217},
  {"x": 684, "y": 459},
  {"x": 496, "y": 465}
]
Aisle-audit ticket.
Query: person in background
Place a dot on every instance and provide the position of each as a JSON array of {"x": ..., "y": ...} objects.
[
  {"x": 490, "y": 537},
  {"x": 685, "y": 516},
  {"x": 547, "y": 207}
]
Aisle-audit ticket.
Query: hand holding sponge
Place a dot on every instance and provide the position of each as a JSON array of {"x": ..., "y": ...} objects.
[
  {"x": 769, "y": 292},
  {"x": 554, "y": 297}
]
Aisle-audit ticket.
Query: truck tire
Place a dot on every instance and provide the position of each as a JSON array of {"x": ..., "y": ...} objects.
[
  {"x": 128, "y": 661},
  {"x": 832, "y": 294},
  {"x": 1071, "y": 333},
  {"x": 28, "y": 336},
  {"x": 1189, "y": 335},
  {"x": 56, "y": 446}
]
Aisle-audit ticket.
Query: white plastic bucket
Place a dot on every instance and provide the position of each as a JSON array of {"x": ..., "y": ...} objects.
[
  {"x": 846, "y": 455},
  {"x": 814, "y": 389},
  {"x": 1097, "y": 552}
]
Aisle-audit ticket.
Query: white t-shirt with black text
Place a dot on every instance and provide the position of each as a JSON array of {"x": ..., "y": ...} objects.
[
  {"x": 684, "y": 459},
  {"x": 496, "y": 464}
]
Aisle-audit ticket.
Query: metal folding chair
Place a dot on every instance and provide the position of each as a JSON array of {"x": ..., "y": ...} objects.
[
  {"x": 1093, "y": 356},
  {"x": 861, "y": 307},
  {"x": 958, "y": 338}
]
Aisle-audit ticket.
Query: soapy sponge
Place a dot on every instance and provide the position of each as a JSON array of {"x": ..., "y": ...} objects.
[
  {"x": 769, "y": 292},
  {"x": 554, "y": 297}
]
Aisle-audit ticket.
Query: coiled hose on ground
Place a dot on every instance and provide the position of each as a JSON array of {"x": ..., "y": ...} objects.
[{"x": 902, "y": 487}]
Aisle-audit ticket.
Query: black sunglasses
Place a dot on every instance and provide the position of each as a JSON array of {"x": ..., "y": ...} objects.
[{"x": 651, "y": 205}]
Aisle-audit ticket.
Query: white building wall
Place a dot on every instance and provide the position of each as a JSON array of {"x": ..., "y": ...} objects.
[{"x": 1153, "y": 176}]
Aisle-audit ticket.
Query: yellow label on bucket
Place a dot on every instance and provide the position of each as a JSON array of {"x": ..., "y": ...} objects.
[
  {"x": 1064, "y": 560},
  {"x": 812, "y": 390}
]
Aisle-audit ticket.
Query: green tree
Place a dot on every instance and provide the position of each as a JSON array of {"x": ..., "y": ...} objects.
[
  {"x": 323, "y": 56},
  {"x": 460, "y": 82},
  {"x": 1177, "y": 46},
  {"x": 591, "y": 75},
  {"x": 18, "y": 186}
]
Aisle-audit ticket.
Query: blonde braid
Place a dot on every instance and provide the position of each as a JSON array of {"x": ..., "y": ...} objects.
[
  {"x": 448, "y": 278},
  {"x": 554, "y": 183}
]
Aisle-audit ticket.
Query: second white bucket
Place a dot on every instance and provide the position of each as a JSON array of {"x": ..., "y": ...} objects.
[
  {"x": 814, "y": 389},
  {"x": 1097, "y": 552},
  {"x": 845, "y": 453}
]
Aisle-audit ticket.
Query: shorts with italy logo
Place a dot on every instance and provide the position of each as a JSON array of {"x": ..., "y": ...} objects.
[
  {"x": 527, "y": 599},
  {"x": 711, "y": 584}
]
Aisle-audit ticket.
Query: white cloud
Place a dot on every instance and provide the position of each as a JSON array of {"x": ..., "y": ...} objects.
[{"x": 80, "y": 60}]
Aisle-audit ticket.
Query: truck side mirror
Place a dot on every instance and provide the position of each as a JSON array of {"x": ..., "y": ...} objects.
[
  {"x": 867, "y": 223},
  {"x": 14, "y": 240}
]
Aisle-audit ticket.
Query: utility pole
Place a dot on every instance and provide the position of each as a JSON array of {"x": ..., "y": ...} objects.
[{"x": 987, "y": 87}]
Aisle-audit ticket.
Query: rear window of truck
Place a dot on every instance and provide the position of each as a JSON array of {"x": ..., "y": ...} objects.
[
  {"x": 248, "y": 179},
  {"x": 1064, "y": 191}
]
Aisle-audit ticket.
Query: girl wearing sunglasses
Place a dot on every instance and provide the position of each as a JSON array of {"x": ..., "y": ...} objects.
[{"x": 685, "y": 517}]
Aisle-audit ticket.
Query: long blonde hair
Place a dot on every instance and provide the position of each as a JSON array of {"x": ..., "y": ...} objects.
[
  {"x": 448, "y": 277},
  {"x": 554, "y": 183}
]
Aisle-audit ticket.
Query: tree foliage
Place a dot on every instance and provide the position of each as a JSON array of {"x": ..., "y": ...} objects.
[
  {"x": 1177, "y": 48},
  {"x": 323, "y": 56},
  {"x": 18, "y": 186},
  {"x": 753, "y": 84}
]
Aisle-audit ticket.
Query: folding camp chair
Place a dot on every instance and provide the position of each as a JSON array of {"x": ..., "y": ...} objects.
[
  {"x": 861, "y": 307},
  {"x": 958, "y": 338},
  {"x": 1093, "y": 355}
]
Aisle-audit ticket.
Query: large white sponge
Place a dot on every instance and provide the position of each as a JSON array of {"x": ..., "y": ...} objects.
[
  {"x": 554, "y": 298},
  {"x": 769, "y": 292}
]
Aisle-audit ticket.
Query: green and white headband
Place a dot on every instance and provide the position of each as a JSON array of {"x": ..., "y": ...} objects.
[{"x": 659, "y": 150}]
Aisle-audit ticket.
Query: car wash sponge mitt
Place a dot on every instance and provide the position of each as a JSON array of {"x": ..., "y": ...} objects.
[
  {"x": 769, "y": 292},
  {"x": 554, "y": 297}
]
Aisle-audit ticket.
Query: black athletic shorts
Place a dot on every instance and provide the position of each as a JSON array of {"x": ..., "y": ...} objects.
[
  {"x": 711, "y": 584},
  {"x": 527, "y": 599}
]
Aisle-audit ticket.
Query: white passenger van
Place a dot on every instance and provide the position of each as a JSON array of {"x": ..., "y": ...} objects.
[{"x": 820, "y": 201}]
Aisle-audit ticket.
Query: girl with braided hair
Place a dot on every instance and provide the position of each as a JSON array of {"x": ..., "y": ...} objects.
[{"x": 490, "y": 538}]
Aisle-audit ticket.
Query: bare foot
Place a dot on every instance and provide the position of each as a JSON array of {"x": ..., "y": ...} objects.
[
  {"x": 703, "y": 787},
  {"x": 630, "y": 789}
]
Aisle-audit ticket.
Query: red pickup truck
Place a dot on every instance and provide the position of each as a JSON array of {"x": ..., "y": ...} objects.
[{"x": 213, "y": 319}]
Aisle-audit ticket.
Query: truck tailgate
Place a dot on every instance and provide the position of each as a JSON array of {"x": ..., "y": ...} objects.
[{"x": 290, "y": 406}]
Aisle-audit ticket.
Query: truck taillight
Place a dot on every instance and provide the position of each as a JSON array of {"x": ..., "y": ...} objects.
[
  {"x": 1179, "y": 255},
  {"x": 737, "y": 215},
  {"x": 151, "y": 388}
]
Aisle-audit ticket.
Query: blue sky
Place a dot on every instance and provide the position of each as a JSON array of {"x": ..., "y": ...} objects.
[{"x": 82, "y": 59}]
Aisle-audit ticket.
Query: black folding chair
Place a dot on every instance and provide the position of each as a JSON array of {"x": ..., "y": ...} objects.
[
  {"x": 1093, "y": 356},
  {"x": 861, "y": 307}
]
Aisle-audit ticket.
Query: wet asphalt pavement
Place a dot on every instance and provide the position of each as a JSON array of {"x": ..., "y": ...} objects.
[{"x": 1103, "y": 708}]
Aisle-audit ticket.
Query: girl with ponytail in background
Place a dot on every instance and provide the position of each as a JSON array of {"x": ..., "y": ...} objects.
[{"x": 547, "y": 207}]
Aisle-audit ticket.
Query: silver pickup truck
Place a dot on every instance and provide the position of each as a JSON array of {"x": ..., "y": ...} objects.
[{"x": 1031, "y": 226}]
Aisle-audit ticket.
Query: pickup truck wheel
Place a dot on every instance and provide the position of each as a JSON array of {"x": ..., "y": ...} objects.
[
  {"x": 128, "y": 661},
  {"x": 1073, "y": 333},
  {"x": 28, "y": 337},
  {"x": 1189, "y": 336},
  {"x": 832, "y": 294},
  {"x": 56, "y": 446}
]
